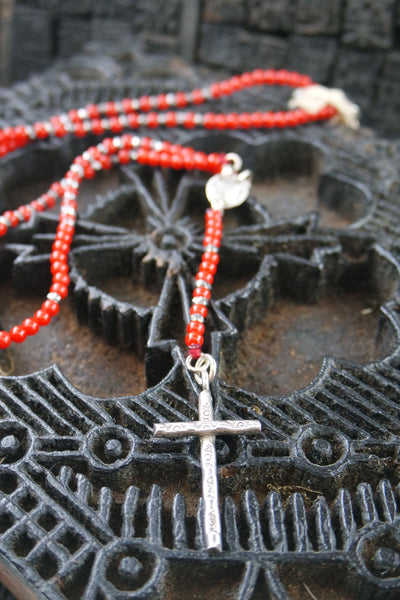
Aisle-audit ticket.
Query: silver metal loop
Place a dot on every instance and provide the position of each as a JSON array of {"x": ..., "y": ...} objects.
[
  {"x": 205, "y": 364},
  {"x": 234, "y": 161}
]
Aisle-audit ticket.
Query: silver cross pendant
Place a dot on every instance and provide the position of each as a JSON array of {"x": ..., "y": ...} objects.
[{"x": 207, "y": 429}]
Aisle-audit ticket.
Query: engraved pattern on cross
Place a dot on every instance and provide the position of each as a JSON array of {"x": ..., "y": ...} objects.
[{"x": 206, "y": 428}]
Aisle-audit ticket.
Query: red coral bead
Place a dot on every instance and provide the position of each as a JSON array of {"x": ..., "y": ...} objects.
[
  {"x": 152, "y": 120},
  {"x": 31, "y": 326},
  {"x": 194, "y": 340},
  {"x": 57, "y": 255},
  {"x": 206, "y": 276},
  {"x": 9, "y": 214},
  {"x": 181, "y": 99},
  {"x": 97, "y": 126},
  {"x": 18, "y": 334},
  {"x": 59, "y": 289},
  {"x": 5, "y": 340},
  {"x": 124, "y": 157},
  {"x": 195, "y": 327},
  {"x": 211, "y": 241},
  {"x": 212, "y": 257},
  {"x": 59, "y": 267},
  {"x": 170, "y": 119},
  {"x": 79, "y": 129},
  {"x": 209, "y": 266},
  {"x": 62, "y": 278},
  {"x": 162, "y": 103},
  {"x": 203, "y": 292},
  {"x": 144, "y": 103},
  {"x": 199, "y": 309},
  {"x": 116, "y": 125},
  {"x": 92, "y": 111},
  {"x": 51, "y": 307},
  {"x": 42, "y": 318},
  {"x": 3, "y": 229},
  {"x": 41, "y": 131},
  {"x": 197, "y": 97}
]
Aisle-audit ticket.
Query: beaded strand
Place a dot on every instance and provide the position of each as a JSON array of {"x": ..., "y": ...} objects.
[{"x": 117, "y": 117}]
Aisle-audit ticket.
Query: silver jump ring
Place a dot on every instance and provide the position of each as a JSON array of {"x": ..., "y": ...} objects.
[{"x": 204, "y": 363}]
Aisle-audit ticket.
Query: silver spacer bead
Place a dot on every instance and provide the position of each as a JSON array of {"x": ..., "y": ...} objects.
[
  {"x": 118, "y": 106},
  {"x": 77, "y": 169},
  {"x": 101, "y": 148},
  {"x": 54, "y": 297},
  {"x": 70, "y": 183},
  {"x": 82, "y": 113},
  {"x": 69, "y": 222},
  {"x": 136, "y": 141},
  {"x": 102, "y": 107},
  {"x": 199, "y": 300},
  {"x": 180, "y": 117},
  {"x": 198, "y": 118},
  {"x": 153, "y": 101},
  {"x": 19, "y": 216},
  {"x": 5, "y": 221},
  {"x": 30, "y": 132},
  {"x": 87, "y": 126},
  {"x": 202, "y": 283},
  {"x": 211, "y": 248},
  {"x": 170, "y": 99},
  {"x": 157, "y": 145},
  {"x": 162, "y": 118},
  {"x": 48, "y": 127},
  {"x": 135, "y": 104},
  {"x": 133, "y": 155},
  {"x": 117, "y": 142},
  {"x": 123, "y": 119},
  {"x": 206, "y": 92},
  {"x": 197, "y": 317},
  {"x": 105, "y": 123},
  {"x": 142, "y": 119},
  {"x": 68, "y": 210}
]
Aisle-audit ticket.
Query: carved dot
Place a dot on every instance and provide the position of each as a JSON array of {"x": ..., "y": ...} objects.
[
  {"x": 386, "y": 562},
  {"x": 113, "y": 449},
  {"x": 170, "y": 238},
  {"x": 223, "y": 450},
  {"x": 110, "y": 444},
  {"x": 14, "y": 441},
  {"x": 9, "y": 445},
  {"x": 321, "y": 451},
  {"x": 129, "y": 568},
  {"x": 322, "y": 446}
]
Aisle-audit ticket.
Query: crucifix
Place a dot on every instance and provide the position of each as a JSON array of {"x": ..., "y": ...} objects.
[{"x": 207, "y": 429}]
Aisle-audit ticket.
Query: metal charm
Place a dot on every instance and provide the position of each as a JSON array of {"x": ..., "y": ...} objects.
[
  {"x": 231, "y": 187},
  {"x": 207, "y": 428}
]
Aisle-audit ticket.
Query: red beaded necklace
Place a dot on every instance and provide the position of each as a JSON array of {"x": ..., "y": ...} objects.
[{"x": 132, "y": 114}]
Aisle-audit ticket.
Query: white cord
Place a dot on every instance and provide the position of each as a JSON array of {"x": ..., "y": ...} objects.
[{"x": 315, "y": 97}]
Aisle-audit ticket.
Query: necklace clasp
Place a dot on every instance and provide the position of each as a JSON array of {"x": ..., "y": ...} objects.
[{"x": 231, "y": 187}]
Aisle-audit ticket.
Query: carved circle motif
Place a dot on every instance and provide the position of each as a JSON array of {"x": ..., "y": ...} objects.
[
  {"x": 322, "y": 446},
  {"x": 15, "y": 441},
  {"x": 127, "y": 567},
  {"x": 110, "y": 446},
  {"x": 378, "y": 551}
]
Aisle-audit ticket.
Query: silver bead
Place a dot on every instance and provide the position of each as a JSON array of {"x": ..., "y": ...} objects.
[
  {"x": 199, "y": 300},
  {"x": 54, "y": 297},
  {"x": 211, "y": 248},
  {"x": 202, "y": 283},
  {"x": 197, "y": 317}
]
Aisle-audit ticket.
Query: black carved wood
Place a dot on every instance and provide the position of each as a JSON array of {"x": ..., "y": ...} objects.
[{"x": 305, "y": 324}]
